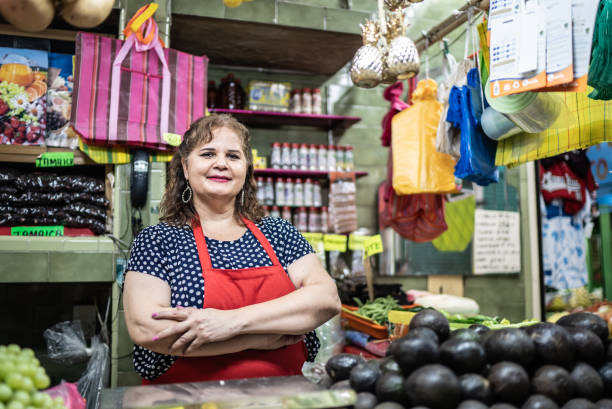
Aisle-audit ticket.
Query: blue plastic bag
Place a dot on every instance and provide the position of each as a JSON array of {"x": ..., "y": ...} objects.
[{"x": 477, "y": 161}]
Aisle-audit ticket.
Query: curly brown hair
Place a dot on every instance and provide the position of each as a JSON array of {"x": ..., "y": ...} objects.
[{"x": 173, "y": 210}]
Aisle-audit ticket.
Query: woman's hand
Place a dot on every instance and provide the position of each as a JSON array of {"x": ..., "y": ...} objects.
[
  {"x": 195, "y": 327},
  {"x": 276, "y": 341}
]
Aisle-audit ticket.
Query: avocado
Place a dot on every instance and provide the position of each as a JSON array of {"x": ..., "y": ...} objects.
[
  {"x": 475, "y": 387},
  {"x": 434, "y": 386},
  {"x": 588, "y": 347},
  {"x": 412, "y": 353},
  {"x": 463, "y": 356},
  {"x": 390, "y": 387},
  {"x": 365, "y": 400},
  {"x": 363, "y": 377},
  {"x": 389, "y": 405},
  {"x": 579, "y": 403},
  {"x": 343, "y": 384},
  {"x": 431, "y": 319},
  {"x": 423, "y": 332},
  {"x": 339, "y": 366},
  {"x": 539, "y": 402},
  {"x": 605, "y": 372},
  {"x": 587, "y": 382},
  {"x": 587, "y": 320},
  {"x": 472, "y": 404},
  {"x": 503, "y": 406},
  {"x": 608, "y": 356},
  {"x": 465, "y": 334},
  {"x": 604, "y": 404},
  {"x": 554, "y": 382},
  {"x": 389, "y": 364},
  {"x": 509, "y": 344},
  {"x": 553, "y": 344},
  {"x": 509, "y": 382}
]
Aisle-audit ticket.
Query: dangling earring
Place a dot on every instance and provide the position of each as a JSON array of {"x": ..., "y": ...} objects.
[
  {"x": 242, "y": 198},
  {"x": 188, "y": 192}
]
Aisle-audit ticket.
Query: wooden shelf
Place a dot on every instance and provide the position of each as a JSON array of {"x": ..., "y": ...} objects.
[
  {"x": 264, "y": 119},
  {"x": 29, "y": 153},
  {"x": 290, "y": 173}
]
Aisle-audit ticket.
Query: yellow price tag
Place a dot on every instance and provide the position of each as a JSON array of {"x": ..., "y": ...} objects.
[
  {"x": 172, "y": 139},
  {"x": 357, "y": 242},
  {"x": 334, "y": 242},
  {"x": 313, "y": 238},
  {"x": 373, "y": 245}
]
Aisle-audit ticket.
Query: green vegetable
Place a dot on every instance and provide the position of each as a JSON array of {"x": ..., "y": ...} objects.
[{"x": 378, "y": 310}]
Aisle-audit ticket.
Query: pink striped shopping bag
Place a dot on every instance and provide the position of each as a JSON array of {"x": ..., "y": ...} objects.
[{"x": 132, "y": 94}]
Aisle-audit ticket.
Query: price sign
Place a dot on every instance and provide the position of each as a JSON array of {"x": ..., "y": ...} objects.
[
  {"x": 55, "y": 159},
  {"x": 373, "y": 245},
  {"x": 172, "y": 139},
  {"x": 46, "y": 231},
  {"x": 313, "y": 238},
  {"x": 357, "y": 242},
  {"x": 335, "y": 242}
]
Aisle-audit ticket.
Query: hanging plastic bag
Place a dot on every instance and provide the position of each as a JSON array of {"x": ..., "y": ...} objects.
[
  {"x": 477, "y": 162},
  {"x": 417, "y": 166}
]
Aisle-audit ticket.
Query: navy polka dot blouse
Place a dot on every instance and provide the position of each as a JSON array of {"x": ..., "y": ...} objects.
[{"x": 170, "y": 253}]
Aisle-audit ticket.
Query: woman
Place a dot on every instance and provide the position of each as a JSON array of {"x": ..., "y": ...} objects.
[{"x": 216, "y": 290}]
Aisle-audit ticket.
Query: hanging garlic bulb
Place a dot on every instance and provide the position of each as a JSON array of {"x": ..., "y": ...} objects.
[
  {"x": 367, "y": 64},
  {"x": 402, "y": 56},
  {"x": 393, "y": 5}
]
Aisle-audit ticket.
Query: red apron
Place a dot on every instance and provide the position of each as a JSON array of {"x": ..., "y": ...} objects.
[{"x": 230, "y": 289}]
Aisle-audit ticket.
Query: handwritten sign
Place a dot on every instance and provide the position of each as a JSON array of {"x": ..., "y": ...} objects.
[
  {"x": 497, "y": 245},
  {"x": 47, "y": 231},
  {"x": 373, "y": 245},
  {"x": 335, "y": 242},
  {"x": 172, "y": 139},
  {"x": 356, "y": 241},
  {"x": 55, "y": 159},
  {"x": 313, "y": 238}
]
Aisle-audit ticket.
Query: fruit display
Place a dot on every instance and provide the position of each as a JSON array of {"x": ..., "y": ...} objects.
[
  {"x": 59, "y": 102},
  {"x": 21, "y": 379},
  {"x": 539, "y": 366},
  {"x": 23, "y": 90}
]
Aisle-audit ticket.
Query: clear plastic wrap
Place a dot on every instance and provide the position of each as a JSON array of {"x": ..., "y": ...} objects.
[
  {"x": 96, "y": 375},
  {"x": 66, "y": 343},
  {"x": 331, "y": 337}
]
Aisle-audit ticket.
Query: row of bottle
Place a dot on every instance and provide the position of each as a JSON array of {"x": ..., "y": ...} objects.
[
  {"x": 289, "y": 192},
  {"x": 305, "y": 219},
  {"x": 229, "y": 95},
  {"x": 305, "y": 101},
  {"x": 304, "y": 156}
]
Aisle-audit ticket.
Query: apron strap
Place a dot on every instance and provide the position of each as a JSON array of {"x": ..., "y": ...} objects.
[{"x": 262, "y": 240}]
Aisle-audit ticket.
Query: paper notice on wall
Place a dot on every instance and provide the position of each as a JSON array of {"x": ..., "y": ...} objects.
[
  {"x": 559, "y": 58},
  {"x": 583, "y": 22},
  {"x": 516, "y": 65},
  {"x": 497, "y": 244}
]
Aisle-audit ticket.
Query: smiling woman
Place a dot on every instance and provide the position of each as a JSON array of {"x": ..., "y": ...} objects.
[{"x": 217, "y": 291}]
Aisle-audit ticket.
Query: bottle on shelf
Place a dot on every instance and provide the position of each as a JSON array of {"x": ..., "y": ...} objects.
[
  {"x": 316, "y": 101},
  {"x": 314, "y": 222},
  {"x": 302, "y": 219},
  {"x": 308, "y": 192},
  {"x": 240, "y": 95},
  {"x": 331, "y": 158},
  {"x": 324, "y": 219},
  {"x": 295, "y": 156},
  {"x": 295, "y": 104},
  {"x": 340, "y": 158},
  {"x": 222, "y": 94},
  {"x": 276, "y": 160},
  {"x": 286, "y": 155},
  {"x": 295, "y": 218},
  {"x": 211, "y": 95},
  {"x": 266, "y": 210},
  {"x": 286, "y": 213},
  {"x": 275, "y": 212},
  {"x": 349, "y": 163},
  {"x": 313, "y": 156},
  {"x": 304, "y": 156},
  {"x": 322, "y": 158},
  {"x": 261, "y": 190},
  {"x": 279, "y": 192},
  {"x": 298, "y": 192},
  {"x": 317, "y": 200},
  {"x": 289, "y": 186},
  {"x": 232, "y": 92},
  {"x": 269, "y": 191},
  {"x": 306, "y": 101}
]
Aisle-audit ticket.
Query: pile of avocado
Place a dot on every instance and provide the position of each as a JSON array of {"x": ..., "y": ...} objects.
[{"x": 565, "y": 365}]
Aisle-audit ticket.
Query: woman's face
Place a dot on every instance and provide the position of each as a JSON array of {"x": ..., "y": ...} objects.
[{"x": 217, "y": 169}]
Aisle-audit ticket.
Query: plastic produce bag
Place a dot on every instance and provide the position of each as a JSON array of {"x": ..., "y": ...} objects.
[
  {"x": 417, "y": 166},
  {"x": 66, "y": 342},
  {"x": 69, "y": 393},
  {"x": 477, "y": 162},
  {"x": 96, "y": 375}
]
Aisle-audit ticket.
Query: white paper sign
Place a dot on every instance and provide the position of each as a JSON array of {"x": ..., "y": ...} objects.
[{"x": 497, "y": 244}]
